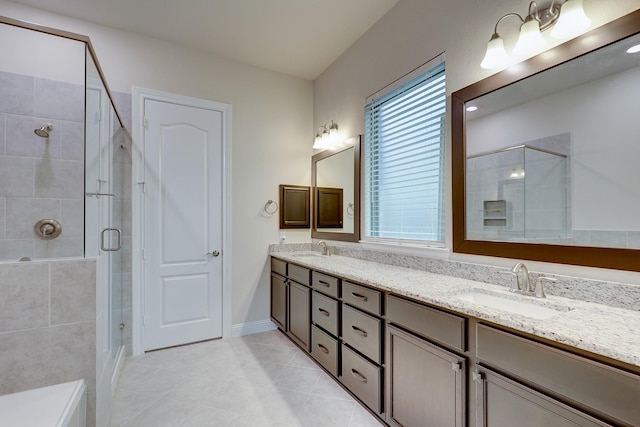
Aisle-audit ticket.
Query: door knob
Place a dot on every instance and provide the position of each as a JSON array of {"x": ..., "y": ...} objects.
[{"x": 214, "y": 253}]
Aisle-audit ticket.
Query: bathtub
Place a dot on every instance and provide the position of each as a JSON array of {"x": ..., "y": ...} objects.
[{"x": 61, "y": 405}]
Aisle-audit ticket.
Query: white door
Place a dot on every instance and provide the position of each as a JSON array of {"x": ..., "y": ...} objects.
[{"x": 182, "y": 241}]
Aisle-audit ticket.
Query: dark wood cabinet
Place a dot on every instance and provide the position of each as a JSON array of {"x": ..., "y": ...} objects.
[
  {"x": 299, "y": 314},
  {"x": 295, "y": 204},
  {"x": 425, "y": 383},
  {"x": 605, "y": 392},
  {"x": 414, "y": 364},
  {"x": 502, "y": 401},
  {"x": 279, "y": 301},
  {"x": 329, "y": 207}
]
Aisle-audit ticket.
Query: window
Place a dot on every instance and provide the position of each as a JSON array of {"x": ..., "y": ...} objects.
[{"x": 404, "y": 159}]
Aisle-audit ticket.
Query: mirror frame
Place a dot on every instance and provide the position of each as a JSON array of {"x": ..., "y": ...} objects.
[
  {"x": 345, "y": 237},
  {"x": 614, "y": 258}
]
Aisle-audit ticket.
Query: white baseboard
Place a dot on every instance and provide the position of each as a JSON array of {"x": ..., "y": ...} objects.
[{"x": 248, "y": 328}]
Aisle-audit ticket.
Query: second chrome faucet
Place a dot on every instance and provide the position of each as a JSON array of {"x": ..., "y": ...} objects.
[
  {"x": 325, "y": 248},
  {"x": 526, "y": 288}
]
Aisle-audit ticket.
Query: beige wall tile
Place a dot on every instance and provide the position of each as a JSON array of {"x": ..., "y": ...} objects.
[
  {"x": 47, "y": 356},
  {"x": 59, "y": 179},
  {"x": 73, "y": 291},
  {"x": 22, "y": 214},
  {"x": 16, "y": 176},
  {"x": 24, "y": 296}
]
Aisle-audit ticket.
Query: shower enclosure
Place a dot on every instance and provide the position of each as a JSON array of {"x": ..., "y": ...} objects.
[
  {"x": 518, "y": 193},
  {"x": 65, "y": 175}
]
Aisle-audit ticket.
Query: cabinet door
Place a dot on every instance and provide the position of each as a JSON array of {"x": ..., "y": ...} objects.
[
  {"x": 279, "y": 301},
  {"x": 505, "y": 403},
  {"x": 425, "y": 384},
  {"x": 299, "y": 314}
]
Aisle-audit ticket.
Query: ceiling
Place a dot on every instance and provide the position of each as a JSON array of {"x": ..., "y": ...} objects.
[{"x": 296, "y": 37}]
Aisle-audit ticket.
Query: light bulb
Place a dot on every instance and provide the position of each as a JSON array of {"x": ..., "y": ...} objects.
[
  {"x": 530, "y": 39},
  {"x": 572, "y": 20},
  {"x": 495, "y": 56},
  {"x": 319, "y": 141}
]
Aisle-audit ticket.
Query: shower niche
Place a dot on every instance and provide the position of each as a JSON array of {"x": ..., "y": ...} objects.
[{"x": 520, "y": 192}]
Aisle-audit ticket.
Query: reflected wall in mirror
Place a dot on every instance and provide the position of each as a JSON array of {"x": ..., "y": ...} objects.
[
  {"x": 545, "y": 165},
  {"x": 336, "y": 193}
]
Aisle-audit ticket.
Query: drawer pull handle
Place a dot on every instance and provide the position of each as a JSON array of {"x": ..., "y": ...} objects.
[
  {"x": 362, "y": 297},
  {"x": 325, "y": 284},
  {"x": 359, "y": 376},
  {"x": 324, "y": 349},
  {"x": 323, "y": 311},
  {"x": 359, "y": 331}
]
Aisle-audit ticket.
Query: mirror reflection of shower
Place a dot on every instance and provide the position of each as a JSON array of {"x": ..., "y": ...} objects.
[{"x": 43, "y": 132}]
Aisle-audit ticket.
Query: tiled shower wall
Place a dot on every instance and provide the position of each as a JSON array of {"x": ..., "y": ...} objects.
[
  {"x": 48, "y": 325},
  {"x": 40, "y": 177}
]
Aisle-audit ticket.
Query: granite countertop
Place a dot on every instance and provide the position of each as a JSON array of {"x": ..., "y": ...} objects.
[{"x": 600, "y": 329}]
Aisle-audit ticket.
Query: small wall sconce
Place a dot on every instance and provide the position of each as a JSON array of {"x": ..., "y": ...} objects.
[
  {"x": 326, "y": 137},
  {"x": 567, "y": 20}
]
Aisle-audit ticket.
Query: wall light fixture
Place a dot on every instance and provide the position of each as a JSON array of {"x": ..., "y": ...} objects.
[
  {"x": 326, "y": 136},
  {"x": 567, "y": 20}
]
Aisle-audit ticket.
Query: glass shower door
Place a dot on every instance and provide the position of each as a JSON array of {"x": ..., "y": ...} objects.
[{"x": 103, "y": 213}]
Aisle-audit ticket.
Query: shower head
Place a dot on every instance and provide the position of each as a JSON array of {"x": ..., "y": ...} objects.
[{"x": 43, "y": 132}]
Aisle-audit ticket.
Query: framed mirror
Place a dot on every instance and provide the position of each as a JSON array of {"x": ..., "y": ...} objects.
[
  {"x": 545, "y": 167},
  {"x": 335, "y": 186}
]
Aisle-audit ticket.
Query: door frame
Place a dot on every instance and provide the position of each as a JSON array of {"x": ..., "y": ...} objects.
[{"x": 140, "y": 95}]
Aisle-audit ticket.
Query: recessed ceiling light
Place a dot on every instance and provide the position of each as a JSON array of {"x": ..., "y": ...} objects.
[
  {"x": 634, "y": 49},
  {"x": 472, "y": 108}
]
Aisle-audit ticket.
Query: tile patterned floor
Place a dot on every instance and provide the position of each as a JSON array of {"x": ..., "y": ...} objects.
[{"x": 258, "y": 380}]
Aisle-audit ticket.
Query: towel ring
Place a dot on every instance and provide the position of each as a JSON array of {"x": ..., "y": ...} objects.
[
  {"x": 350, "y": 209},
  {"x": 268, "y": 204}
]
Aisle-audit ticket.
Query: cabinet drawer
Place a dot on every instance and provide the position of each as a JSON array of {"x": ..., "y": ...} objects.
[
  {"x": 445, "y": 328},
  {"x": 324, "y": 348},
  {"x": 325, "y": 284},
  {"x": 299, "y": 274},
  {"x": 362, "y": 332},
  {"x": 362, "y": 377},
  {"x": 279, "y": 266},
  {"x": 364, "y": 298},
  {"x": 607, "y": 390},
  {"x": 324, "y": 312}
]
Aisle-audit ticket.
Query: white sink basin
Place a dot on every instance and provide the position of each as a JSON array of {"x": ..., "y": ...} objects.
[{"x": 534, "y": 308}]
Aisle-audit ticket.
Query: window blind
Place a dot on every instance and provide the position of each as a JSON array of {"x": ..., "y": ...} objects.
[{"x": 404, "y": 160}]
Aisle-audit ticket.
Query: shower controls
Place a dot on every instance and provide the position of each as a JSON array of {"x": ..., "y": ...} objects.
[{"x": 47, "y": 229}]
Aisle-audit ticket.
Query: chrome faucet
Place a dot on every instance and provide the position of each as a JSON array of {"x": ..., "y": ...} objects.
[
  {"x": 540, "y": 285},
  {"x": 537, "y": 290},
  {"x": 325, "y": 248},
  {"x": 526, "y": 285}
]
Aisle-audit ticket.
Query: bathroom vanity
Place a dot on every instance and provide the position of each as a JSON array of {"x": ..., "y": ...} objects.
[{"x": 417, "y": 348}]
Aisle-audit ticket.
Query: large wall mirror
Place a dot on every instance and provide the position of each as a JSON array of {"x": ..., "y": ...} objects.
[
  {"x": 335, "y": 181},
  {"x": 546, "y": 166}
]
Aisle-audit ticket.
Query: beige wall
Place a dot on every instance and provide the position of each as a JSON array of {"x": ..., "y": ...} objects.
[
  {"x": 415, "y": 31},
  {"x": 272, "y": 133}
]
